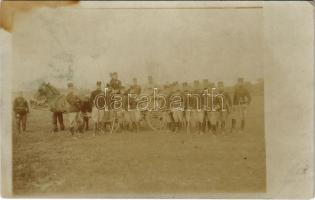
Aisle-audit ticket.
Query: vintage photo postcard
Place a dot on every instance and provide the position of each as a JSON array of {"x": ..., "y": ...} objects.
[{"x": 157, "y": 99}]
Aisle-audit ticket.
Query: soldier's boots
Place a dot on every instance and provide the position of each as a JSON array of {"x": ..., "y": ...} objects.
[
  {"x": 80, "y": 128},
  {"x": 62, "y": 128},
  {"x": 55, "y": 129}
]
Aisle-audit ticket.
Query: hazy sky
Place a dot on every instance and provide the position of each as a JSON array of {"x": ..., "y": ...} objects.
[{"x": 172, "y": 45}]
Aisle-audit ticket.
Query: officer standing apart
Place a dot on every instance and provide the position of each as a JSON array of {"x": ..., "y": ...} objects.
[{"x": 21, "y": 109}]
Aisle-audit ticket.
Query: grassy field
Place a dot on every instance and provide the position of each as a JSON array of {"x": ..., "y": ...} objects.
[{"x": 139, "y": 164}]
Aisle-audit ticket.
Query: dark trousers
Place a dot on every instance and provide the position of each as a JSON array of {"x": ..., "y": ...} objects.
[
  {"x": 86, "y": 123},
  {"x": 21, "y": 121},
  {"x": 58, "y": 117}
]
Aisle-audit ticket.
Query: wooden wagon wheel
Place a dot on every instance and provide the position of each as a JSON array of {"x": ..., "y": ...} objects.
[
  {"x": 116, "y": 122},
  {"x": 155, "y": 120}
]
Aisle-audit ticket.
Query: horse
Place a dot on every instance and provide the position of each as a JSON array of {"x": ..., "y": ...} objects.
[{"x": 49, "y": 98}]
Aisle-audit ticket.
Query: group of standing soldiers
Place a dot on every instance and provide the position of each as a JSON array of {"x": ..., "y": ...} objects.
[
  {"x": 189, "y": 113},
  {"x": 203, "y": 113}
]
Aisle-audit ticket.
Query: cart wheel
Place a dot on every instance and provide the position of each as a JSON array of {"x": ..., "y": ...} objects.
[
  {"x": 155, "y": 120},
  {"x": 117, "y": 122}
]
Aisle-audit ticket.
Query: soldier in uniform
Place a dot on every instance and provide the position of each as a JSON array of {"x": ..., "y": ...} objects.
[
  {"x": 134, "y": 112},
  {"x": 178, "y": 109},
  {"x": 114, "y": 86},
  {"x": 85, "y": 109},
  {"x": 213, "y": 112},
  {"x": 135, "y": 88},
  {"x": 121, "y": 109},
  {"x": 241, "y": 100},
  {"x": 225, "y": 101},
  {"x": 98, "y": 101},
  {"x": 187, "y": 108},
  {"x": 198, "y": 113},
  {"x": 74, "y": 102},
  {"x": 166, "y": 113},
  {"x": 148, "y": 91},
  {"x": 21, "y": 109}
]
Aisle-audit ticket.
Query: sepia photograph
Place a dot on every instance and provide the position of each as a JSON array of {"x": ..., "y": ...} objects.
[{"x": 138, "y": 101}]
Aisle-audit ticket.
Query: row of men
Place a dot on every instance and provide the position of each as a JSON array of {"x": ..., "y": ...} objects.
[
  {"x": 237, "y": 106},
  {"x": 175, "y": 118}
]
